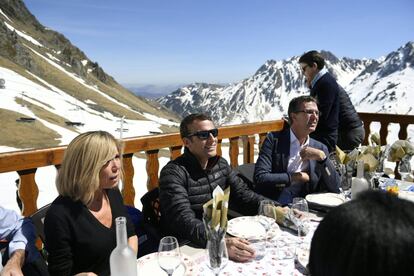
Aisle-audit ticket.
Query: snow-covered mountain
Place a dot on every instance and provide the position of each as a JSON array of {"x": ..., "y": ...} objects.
[
  {"x": 50, "y": 91},
  {"x": 374, "y": 86}
]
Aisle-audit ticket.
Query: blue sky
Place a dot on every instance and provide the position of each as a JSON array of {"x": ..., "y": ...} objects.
[{"x": 218, "y": 41}]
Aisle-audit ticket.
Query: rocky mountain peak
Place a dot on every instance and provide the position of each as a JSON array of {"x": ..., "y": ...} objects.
[{"x": 266, "y": 94}]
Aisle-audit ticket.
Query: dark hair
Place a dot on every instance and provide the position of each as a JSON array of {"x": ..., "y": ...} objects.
[
  {"x": 188, "y": 120},
  {"x": 295, "y": 103},
  {"x": 312, "y": 57},
  {"x": 371, "y": 235}
]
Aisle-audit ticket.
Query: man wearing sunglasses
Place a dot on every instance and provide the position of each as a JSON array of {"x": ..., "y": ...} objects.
[
  {"x": 187, "y": 182},
  {"x": 339, "y": 123},
  {"x": 290, "y": 163}
]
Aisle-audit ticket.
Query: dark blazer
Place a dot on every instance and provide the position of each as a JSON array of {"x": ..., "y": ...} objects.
[
  {"x": 271, "y": 177},
  {"x": 326, "y": 91}
]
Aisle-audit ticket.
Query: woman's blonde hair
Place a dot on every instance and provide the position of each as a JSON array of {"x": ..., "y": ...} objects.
[{"x": 78, "y": 177}]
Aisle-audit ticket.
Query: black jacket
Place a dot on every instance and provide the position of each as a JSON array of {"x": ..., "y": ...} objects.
[
  {"x": 185, "y": 187},
  {"x": 348, "y": 116},
  {"x": 338, "y": 112},
  {"x": 326, "y": 91}
]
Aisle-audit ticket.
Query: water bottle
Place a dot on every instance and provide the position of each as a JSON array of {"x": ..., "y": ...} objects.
[
  {"x": 359, "y": 183},
  {"x": 123, "y": 260}
]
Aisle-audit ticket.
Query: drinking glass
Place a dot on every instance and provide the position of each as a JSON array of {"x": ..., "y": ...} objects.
[
  {"x": 404, "y": 167},
  {"x": 217, "y": 255},
  {"x": 266, "y": 215},
  {"x": 169, "y": 256},
  {"x": 301, "y": 210}
]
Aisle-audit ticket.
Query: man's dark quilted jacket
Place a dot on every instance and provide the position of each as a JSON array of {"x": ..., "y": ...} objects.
[{"x": 185, "y": 187}]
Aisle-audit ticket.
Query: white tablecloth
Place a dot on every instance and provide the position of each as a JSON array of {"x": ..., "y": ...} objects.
[{"x": 271, "y": 264}]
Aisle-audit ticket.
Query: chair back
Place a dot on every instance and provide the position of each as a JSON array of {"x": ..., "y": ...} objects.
[
  {"x": 246, "y": 172},
  {"x": 38, "y": 219},
  {"x": 151, "y": 207}
]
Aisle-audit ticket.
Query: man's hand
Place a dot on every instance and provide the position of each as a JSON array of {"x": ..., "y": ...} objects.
[
  {"x": 309, "y": 153},
  {"x": 14, "y": 266},
  {"x": 299, "y": 177},
  {"x": 239, "y": 250}
]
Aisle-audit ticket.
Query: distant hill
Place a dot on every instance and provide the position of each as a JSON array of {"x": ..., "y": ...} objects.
[
  {"x": 153, "y": 91},
  {"x": 374, "y": 85},
  {"x": 45, "y": 77}
]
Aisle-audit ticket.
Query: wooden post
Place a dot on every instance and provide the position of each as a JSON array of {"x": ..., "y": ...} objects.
[
  {"x": 128, "y": 191},
  {"x": 28, "y": 191},
  {"x": 234, "y": 152},
  {"x": 248, "y": 148},
  {"x": 152, "y": 169}
]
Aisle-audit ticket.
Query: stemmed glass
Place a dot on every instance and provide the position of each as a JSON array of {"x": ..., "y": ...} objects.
[
  {"x": 404, "y": 167},
  {"x": 169, "y": 256},
  {"x": 217, "y": 255}
]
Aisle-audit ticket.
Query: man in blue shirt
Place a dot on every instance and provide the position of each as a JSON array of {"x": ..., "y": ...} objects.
[
  {"x": 339, "y": 123},
  {"x": 19, "y": 235}
]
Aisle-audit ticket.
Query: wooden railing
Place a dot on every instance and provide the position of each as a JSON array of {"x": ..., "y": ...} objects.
[{"x": 25, "y": 163}]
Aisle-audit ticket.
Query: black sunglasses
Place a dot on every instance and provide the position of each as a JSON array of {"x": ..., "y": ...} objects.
[{"x": 204, "y": 134}]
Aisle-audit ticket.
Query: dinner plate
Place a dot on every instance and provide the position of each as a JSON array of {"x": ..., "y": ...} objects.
[
  {"x": 249, "y": 227},
  {"x": 326, "y": 199},
  {"x": 148, "y": 265},
  {"x": 406, "y": 195}
]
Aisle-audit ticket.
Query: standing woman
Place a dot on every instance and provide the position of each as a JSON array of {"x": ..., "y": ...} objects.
[{"x": 80, "y": 223}]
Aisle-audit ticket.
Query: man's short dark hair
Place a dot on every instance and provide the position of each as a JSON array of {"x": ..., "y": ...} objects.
[
  {"x": 188, "y": 120},
  {"x": 371, "y": 235},
  {"x": 312, "y": 57},
  {"x": 296, "y": 103}
]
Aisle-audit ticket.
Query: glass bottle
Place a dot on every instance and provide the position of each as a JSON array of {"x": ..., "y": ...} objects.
[
  {"x": 359, "y": 183},
  {"x": 123, "y": 259}
]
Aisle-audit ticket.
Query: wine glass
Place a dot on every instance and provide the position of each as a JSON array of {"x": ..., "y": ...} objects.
[
  {"x": 169, "y": 256},
  {"x": 217, "y": 255},
  {"x": 404, "y": 167}
]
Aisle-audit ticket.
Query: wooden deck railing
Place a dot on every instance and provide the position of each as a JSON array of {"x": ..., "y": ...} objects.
[{"x": 25, "y": 163}]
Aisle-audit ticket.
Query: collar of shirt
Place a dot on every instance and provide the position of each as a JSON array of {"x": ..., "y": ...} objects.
[
  {"x": 319, "y": 75},
  {"x": 296, "y": 164}
]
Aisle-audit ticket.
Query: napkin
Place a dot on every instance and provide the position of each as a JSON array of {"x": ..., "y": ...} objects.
[
  {"x": 215, "y": 222},
  {"x": 399, "y": 149},
  {"x": 287, "y": 218},
  {"x": 216, "y": 209}
]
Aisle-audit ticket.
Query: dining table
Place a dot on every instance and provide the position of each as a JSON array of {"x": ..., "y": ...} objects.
[{"x": 285, "y": 253}]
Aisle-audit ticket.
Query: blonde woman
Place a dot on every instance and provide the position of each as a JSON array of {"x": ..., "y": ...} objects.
[{"x": 80, "y": 224}]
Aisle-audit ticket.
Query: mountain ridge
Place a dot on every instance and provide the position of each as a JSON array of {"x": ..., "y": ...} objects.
[
  {"x": 49, "y": 79},
  {"x": 265, "y": 95}
]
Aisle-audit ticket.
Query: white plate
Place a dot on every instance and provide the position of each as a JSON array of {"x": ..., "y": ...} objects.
[
  {"x": 326, "y": 199},
  {"x": 406, "y": 195},
  {"x": 249, "y": 227},
  {"x": 148, "y": 265}
]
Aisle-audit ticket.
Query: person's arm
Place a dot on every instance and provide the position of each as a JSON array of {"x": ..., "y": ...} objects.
[
  {"x": 133, "y": 243},
  {"x": 329, "y": 178},
  {"x": 17, "y": 230},
  {"x": 263, "y": 175},
  {"x": 14, "y": 265},
  {"x": 176, "y": 214},
  {"x": 239, "y": 250}
]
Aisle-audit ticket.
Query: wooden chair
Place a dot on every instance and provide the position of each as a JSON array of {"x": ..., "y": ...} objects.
[{"x": 38, "y": 219}]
